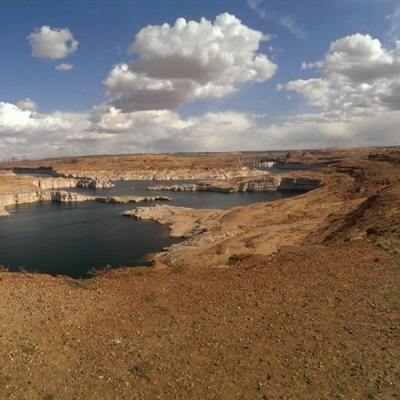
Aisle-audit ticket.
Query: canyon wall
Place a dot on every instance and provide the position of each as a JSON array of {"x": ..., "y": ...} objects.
[
  {"x": 34, "y": 197},
  {"x": 253, "y": 185},
  {"x": 58, "y": 183},
  {"x": 61, "y": 196},
  {"x": 166, "y": 174}
]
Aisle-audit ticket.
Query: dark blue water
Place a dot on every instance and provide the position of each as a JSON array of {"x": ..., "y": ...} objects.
[{"x": 69, "y": 239}]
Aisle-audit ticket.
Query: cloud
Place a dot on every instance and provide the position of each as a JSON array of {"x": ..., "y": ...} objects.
[
  {"x": 27, "y": 105},
  {"x": 25, "y": 131},
  {"x": 361, "y": 59},
  {"x": 51, "y": 43},
  {"x": 23, "y": 119},
  {"x": 167, "y": 131},
  {"x": 359, "y": 78},
  {"x": 64, "y": 67},
  {"x": 285, "y": 21},
  {"x": 108, "y": 119},
  {"x": 109, "y": 131},
  {"x": 188, "y": 61},
  {"x": 355, "y": 92},
  {"x": 219, "y": 131}
]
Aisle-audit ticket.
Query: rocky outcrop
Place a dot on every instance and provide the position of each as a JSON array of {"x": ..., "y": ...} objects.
[
  {"x": 65, "y": 197},
  {"x": 260, "y": 185},
  {"x": 94, "y": 183},
  {"x": 195, "y": 187},
  {"x": 254, "y": 185},
  {"x": 58, "y": 183},
  {"x": 304, "y": 184},
  {"x": 130, "y": 199},
  {"x": 164, "y": 175},
  {"x": 34, "y": 197},
  {"x": 62, "y": 196},
  {"x": 54, "y": 183},
  {"x": 182, "y": 222}
]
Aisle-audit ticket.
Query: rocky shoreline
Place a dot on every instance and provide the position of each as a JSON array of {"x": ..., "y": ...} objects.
[
  {"x": 254, "y": 184},
  {"x": 47, "y": 189},
  {"x": 85, "y": 182},
  {"x": 162, "y": 174},
  {"x": 62, "y": 196}
]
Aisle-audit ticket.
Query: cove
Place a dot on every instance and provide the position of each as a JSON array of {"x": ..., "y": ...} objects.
[{"x": 70, "y": 239}]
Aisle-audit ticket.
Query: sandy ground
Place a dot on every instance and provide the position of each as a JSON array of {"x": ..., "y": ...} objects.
[{"x": 311, "y": 323}]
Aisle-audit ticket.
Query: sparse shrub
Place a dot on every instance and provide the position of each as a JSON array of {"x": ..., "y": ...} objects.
[
  {"x": 3, "y": 268},
  {"x": 150, "y": 297},
  {"x": 81, "y": 283},
  {"x": 178, "y": 269},
  {"x": 233, "y": 260},
  {"x": 162, "y": 309},
  {"x": 142, "y": 370},
  {"x": 98, "y": 271},
  {"x": 4, "y": 379}
]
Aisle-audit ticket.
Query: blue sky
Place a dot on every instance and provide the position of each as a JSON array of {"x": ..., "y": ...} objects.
[{"x": 96, "y": 77}]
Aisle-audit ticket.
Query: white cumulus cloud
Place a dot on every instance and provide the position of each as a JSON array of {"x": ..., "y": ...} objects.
[
  {"x": 27, "y": 104},
  {"x": 186, "y": 62},
  {"x": 359, "y": 78},
  {"x": 52, "y": 44},
  {"x": 23, "y": 119}
]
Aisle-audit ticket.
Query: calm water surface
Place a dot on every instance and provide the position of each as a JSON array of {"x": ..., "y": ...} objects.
[{"x": 69, "y": 239}]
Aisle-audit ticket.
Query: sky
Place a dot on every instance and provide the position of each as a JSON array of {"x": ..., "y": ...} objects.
[{"x": 80, "y": 77}]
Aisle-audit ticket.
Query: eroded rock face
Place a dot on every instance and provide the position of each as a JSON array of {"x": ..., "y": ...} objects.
[
  {"x": 256, "y": 185},
  {"x": 260, "y": 185},
  {"x": 62, "y": 196},
  {"x": 130, "y": 199},
  {"x": 65, "y": 197},
  {"x": 299, "y": 184},
  {"x": 54, "y": 183},
  {"x": 86, "y": 182},
  {"x": 34, "y": 197},
  {"x": 94, "y": 183},
  {"x": 164, "y": 175}
]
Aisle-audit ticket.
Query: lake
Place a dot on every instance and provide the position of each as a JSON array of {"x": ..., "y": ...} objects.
[{"x": 70, "y": 239}]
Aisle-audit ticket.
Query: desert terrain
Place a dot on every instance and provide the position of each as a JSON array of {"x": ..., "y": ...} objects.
[{"x": 295, "y": 299}]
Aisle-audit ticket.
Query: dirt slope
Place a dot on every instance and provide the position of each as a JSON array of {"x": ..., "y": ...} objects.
[{"x": 311, "y": 323}]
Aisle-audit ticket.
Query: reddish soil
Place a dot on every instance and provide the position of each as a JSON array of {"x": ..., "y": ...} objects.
[{"x": 318, "y": 322}]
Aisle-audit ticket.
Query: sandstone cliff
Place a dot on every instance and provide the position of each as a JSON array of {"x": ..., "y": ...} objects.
[
  {"x": 37, "y": 196},
  {"x": 259, "y": 184},
  {"x": 61, "y": 196},
  {"x": 94, "y": 183},
  {"x": 130, "y": 199},
  {"x": 162, "y": 174},
  {"x": 59, "y": 182}
]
